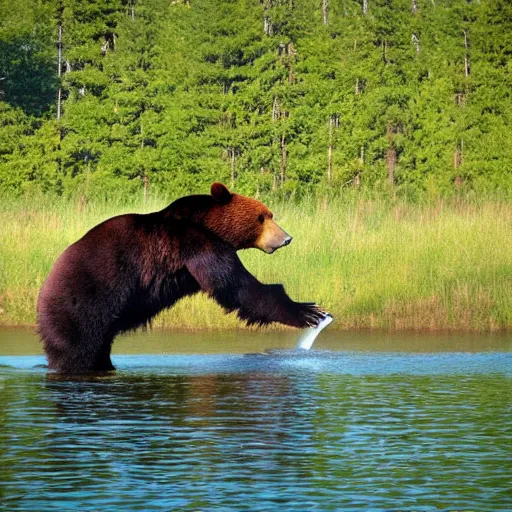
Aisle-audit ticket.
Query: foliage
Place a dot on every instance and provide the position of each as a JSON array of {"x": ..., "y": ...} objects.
[{"x": 412, "y": 96}]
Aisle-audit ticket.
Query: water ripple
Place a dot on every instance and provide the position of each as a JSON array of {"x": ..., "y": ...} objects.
[{"x": 263, "y": 432}]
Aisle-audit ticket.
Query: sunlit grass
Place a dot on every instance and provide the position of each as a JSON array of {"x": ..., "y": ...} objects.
[{"x": 373, "y": 264}]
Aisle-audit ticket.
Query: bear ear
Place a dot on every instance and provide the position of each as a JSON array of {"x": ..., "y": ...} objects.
[{"x": 221, "y": 194}]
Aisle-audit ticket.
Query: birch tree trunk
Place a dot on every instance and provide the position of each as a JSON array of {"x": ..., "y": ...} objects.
[
  {"x": 59, "y": 72},
  {"x": 466, "y": 56},
  {"x": 267, "y": 26},
  {"x": 416, "y": 42},
  {"x": 275, "y": 109},
  {"x": 333, "y": 125},
  {"x": 325, "y": 10},
  {"x": 283, "y": 157}
]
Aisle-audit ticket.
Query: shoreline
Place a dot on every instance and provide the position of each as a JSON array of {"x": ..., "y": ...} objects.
[{"x": 275, "y": 329}]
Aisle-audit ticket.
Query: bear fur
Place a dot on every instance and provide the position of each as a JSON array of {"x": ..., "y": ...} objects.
[{"x": 124, "y": 271}]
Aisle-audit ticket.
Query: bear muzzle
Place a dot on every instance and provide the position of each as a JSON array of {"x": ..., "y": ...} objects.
[{"x": 272, "y": 238}]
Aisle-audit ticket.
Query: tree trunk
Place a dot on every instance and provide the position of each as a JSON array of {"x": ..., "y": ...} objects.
[
  {"x": 267, "y": 26},
  {"x": 283, "y": 158},
  {"x": 233, "y": 166},
  {"x": 144, "y": 175},
  {"x": 365, "y": 7},
  {"x": 391, "y": 157},
  {"x": 59, "y": 72},
  {"x": 325, "y": 10},
  {"x": 275, "y": 109},
  {"x": 416, "y": 42},
  {"x": 357, "y": 177},
  {"x": 333, "y": 124},
  {"x": 457, "y": 158},
  {"x": 414, "y": 5},
  {"x": 290, "y": 52},
  {"x": 329, "y": 153},
  {"x": 466, "y": 56},
  {"x": 390, "y": 154}
]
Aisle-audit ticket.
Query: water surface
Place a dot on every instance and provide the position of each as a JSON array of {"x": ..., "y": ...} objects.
[{"x": 204, "y": 421}]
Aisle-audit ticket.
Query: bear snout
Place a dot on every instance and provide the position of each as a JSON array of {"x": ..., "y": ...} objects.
[
  {"x": 287, "y": 241},
  {"x": 273, "y": 238}
]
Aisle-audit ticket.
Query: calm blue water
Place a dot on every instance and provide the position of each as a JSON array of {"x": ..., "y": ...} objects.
[{"x": 321, "y": 430}]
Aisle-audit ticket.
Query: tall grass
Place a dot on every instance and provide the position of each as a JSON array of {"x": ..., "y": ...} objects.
[{"x": 373, "y": 264}]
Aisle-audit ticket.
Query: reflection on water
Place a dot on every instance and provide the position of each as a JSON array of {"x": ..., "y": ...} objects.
[{"x": 320, "y": 430}]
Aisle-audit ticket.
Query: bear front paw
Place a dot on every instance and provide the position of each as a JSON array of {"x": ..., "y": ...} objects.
[{"x": 310, "y": 314}]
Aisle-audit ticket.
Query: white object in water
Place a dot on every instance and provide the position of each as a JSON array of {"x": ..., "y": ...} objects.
[{"x": 308, "y": 336}]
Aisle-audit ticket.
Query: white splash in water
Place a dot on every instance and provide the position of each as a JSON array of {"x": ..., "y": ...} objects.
[{"x": 308, "y": 336}]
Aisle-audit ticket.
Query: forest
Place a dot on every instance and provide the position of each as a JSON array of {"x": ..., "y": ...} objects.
[{"x": 104, "y": 98}]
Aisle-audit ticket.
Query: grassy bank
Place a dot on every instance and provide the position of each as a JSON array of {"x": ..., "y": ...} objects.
[{"x": 372, "y": 264}]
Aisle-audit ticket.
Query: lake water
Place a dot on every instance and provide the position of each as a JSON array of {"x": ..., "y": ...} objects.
[{"x": 202, "y": 421}]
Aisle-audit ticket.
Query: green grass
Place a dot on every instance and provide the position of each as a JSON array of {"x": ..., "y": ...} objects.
[{"x": 373, "y": 264}]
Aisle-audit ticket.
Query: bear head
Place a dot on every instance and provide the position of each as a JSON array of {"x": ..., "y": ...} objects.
[
  {"x": 244, "y": 222},
  {"x": 241, "y": 221}
]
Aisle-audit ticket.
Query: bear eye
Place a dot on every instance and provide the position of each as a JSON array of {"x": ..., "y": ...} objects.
[{"x": 261, "y": 219}]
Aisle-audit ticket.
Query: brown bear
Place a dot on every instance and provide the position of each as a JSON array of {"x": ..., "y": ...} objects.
[{"x": 128, "y": 268}]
